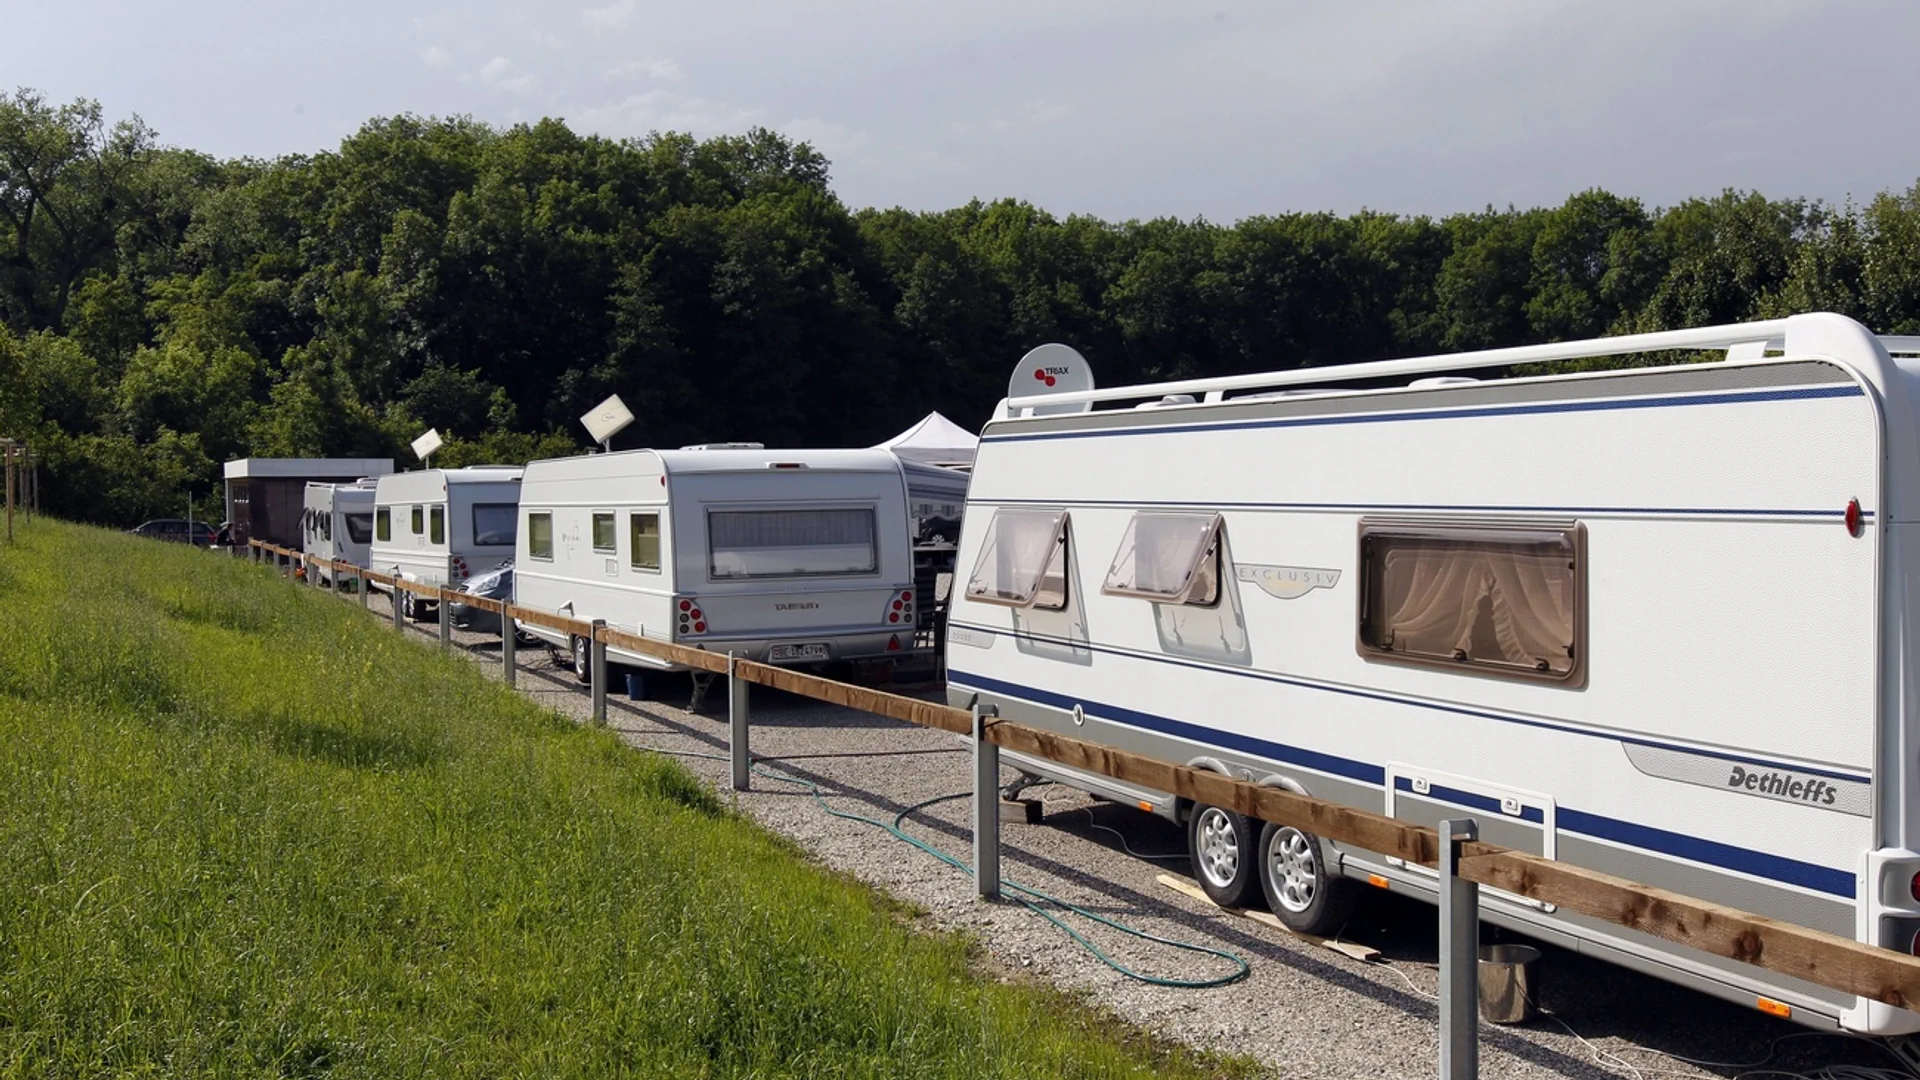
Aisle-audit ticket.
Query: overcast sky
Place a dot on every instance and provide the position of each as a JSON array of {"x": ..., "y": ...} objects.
[{"x": 1122, "y": 108}]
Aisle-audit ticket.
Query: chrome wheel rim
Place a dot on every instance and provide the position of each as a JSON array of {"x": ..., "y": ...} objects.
[
  {"x": 1293, "y": 867},
  {"x": 1218, "y": 847},
  {"x": 580, "y": 655}
]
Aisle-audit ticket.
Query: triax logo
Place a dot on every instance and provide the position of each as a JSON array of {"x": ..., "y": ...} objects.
[
  {"x": 1048, "y": 374},
  {"x": 1810, "y": 789}
]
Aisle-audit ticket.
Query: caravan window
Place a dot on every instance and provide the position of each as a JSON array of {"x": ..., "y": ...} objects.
[
  {"x": 493, "y": 524},
  {"x": 383, "y": 524},
  {"x": 1487, "y": 600},
  {"x": 643, "y": 536},
  {"x": 359, "y": 526},
  {"x": 603, "y": 539},
  {"x": 437, "y": 529},
  {"x": 418, "y": 521},
  {"x": 1025, "y": 561},
  {"x": 540, "y": 535},
  {"x": 791, "y": 543},
  {"x": 1169, "y": 559}
]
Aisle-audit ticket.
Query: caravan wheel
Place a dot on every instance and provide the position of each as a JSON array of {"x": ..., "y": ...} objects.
[
  {"x": 409, "y": 608},
  {"x": 1221, "y": 844},
  {"x": 582, "y": 660},
  {"x": 1300, "y": 890}
]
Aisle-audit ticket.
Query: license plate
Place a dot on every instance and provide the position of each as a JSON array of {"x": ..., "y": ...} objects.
[{"x": 798, "y": 652}]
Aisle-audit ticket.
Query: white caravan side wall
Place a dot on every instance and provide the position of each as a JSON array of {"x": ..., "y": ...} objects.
[{"x": 1731, "y": 625}]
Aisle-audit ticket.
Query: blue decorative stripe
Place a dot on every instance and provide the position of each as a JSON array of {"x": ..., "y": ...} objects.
[
  {"x": 1712, "y": 852},
  {"x": 1311, "y": 759},
  {"x": 1433, "y": 706},
  {"x": 1435, "y": 508},
  {"x": 1808, "y": 393},
  {"x": 1442, "y": 793},
  {"x": 1692, "y": 848}
]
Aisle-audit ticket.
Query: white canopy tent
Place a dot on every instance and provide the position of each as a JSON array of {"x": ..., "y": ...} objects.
[{"x": 935, "y": 440}]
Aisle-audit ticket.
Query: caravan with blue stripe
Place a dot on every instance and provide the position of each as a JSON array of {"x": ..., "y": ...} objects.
[{"x": 1647, "y": 620}]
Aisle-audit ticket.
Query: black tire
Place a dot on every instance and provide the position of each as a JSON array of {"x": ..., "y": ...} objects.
[
  {"x": 582, "y": 654},
  {"x": 409, "y": 607},
  {"x": 1221, "y": 844},
  {"x": 1301, "y": 890}
]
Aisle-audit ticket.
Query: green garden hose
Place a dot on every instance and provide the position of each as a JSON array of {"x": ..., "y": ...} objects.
[{"x": 1029, "y": 897}]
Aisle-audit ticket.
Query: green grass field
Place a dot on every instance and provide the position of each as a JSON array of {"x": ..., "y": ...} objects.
[{"x": 245, "y": 832}]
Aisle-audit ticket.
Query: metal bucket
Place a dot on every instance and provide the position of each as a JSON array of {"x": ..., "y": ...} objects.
[{"x": 1509, "y": 983}]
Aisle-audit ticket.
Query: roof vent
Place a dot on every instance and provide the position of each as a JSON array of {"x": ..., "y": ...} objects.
[{"x": 1170, "y": 399}]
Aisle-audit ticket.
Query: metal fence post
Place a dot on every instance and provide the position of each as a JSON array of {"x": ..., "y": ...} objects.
[
  {"x": 1459, "y": 957},
  {"x": 360, "y": 586},
  {"x": 739, "y": 754},
  {"x": 986, "y": 810},
  {"x": 597, "y": 668},
  {"x": 393, "y": 597},
  {"x": 508, "y": 645},
  {"x": 445, "y": 611}
]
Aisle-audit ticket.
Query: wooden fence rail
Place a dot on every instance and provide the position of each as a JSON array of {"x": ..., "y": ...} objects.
[{"x": 1817, "y": 957}]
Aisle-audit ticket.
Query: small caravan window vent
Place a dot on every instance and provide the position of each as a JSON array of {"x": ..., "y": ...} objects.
[
  {"x": 643, "y": 535},
  {"x": 540, "y": 535},
  {"x": 1024, "y": 564},
  {"x": 1491, "y": 600},
  {"x": 1169, "y": 559}
]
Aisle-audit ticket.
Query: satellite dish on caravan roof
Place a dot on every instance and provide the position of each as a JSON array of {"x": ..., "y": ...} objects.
[
  {"x": 606, "y": 419},
  {"x": 1050, "y": 369},
  {"x": 426, "y": 444}
]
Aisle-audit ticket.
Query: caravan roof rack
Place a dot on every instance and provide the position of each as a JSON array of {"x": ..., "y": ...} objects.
[{"x": 1742, "y": 341}]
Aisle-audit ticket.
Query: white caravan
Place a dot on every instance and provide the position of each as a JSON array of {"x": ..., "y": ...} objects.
[
  {"x": 338, "y": 523},
  {"x": 1654, "y": 622},
  {"x": 782, "y": 556},
  {"x": 443, "y": 526}
]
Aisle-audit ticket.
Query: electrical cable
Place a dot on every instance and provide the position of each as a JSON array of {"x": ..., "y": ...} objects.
[
  {"x": 1124, "y": 846},
  {"x": 1029, "y": 897}
]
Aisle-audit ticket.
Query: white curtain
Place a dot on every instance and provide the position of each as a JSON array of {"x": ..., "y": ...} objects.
[{"x": 1505, "y": 602}]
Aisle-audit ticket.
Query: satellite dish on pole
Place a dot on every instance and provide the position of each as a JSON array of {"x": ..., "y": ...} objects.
[
  {"x": 606, "y": 419},
  {"x": 425, "y": 445},
  {"x": 1050, "y": 369}
]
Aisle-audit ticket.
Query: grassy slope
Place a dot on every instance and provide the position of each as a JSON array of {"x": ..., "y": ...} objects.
[{"x": 244, "y": 832}]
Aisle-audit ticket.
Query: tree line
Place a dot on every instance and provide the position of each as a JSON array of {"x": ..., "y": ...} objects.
[{"x": 163, "y": 311}]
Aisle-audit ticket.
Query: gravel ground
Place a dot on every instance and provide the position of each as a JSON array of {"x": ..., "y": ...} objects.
[{"x": 1304, "y": 1010}]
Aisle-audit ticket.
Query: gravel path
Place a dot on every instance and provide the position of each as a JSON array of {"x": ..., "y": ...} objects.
[{"x": 1304, "y": 1011}]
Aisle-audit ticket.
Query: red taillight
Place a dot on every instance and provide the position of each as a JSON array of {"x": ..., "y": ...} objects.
[
  {"x": 893, "y": 616},
  {"x": 686, "y": 605},
  {"x": 897, "y": 605},
  {"x": 699, "y": 628},
  {"x": 907, "y": 596},
  {"x": 1914, "y": 886},
  {"x": 1854, "y": 517}
]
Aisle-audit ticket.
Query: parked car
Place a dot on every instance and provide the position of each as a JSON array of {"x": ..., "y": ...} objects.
[
  {"x": 495, "y": 584},
  {"x": 176, "y": 530}
]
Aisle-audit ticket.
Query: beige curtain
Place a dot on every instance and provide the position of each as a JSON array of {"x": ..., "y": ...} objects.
[{"x": 1500, "y": 602}]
